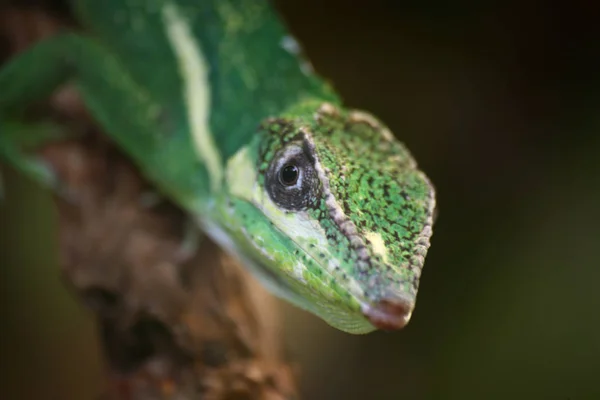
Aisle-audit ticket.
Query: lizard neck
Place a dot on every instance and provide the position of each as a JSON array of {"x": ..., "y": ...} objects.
[
  {"x": 214, "y": 69},
  {"x": 253, "y": 67}
]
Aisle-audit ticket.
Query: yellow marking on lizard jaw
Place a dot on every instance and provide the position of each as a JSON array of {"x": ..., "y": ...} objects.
[
  {"x": 194, "y": 73},
  {"x": 241, "y": 174},
  {"x": 378, "y": 244}
]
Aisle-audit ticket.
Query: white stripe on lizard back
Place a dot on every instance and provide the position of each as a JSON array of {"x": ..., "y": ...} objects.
[{"x": 194, "y": 73}]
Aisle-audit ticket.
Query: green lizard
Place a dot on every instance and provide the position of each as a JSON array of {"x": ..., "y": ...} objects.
[{"x": 212, "y": 101}]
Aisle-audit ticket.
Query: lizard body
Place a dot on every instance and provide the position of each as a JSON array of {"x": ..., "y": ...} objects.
[{"x": 214, "y": 104}]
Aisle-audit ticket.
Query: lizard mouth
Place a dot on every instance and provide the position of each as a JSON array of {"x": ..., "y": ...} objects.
[{"x": 389, "y": 314}]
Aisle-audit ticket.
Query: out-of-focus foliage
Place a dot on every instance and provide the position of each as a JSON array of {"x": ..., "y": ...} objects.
[{"x": 499, "y": 103}]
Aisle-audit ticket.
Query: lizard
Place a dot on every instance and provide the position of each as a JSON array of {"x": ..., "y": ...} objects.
[{"x": 216, "y": 104}]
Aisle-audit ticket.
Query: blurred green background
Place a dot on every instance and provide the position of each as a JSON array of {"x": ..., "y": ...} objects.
[{"x": 500, "y": 103}]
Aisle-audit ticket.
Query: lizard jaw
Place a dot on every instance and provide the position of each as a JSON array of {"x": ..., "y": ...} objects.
[{"x": 389, "y": 314}]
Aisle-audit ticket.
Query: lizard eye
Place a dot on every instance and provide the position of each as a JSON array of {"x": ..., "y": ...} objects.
[
  {"x": 290, "y": 179},
  {"x": 288, "y": 175}
]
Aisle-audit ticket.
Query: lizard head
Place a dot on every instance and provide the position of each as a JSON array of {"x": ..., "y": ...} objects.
[{"x": 340, "y": 215}]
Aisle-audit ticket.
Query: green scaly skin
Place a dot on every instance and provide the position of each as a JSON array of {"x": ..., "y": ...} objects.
[{"x": 212, "y": 101}]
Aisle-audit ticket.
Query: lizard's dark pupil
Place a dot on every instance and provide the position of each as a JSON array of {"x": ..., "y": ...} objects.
[{"x": 289, "y": 175}]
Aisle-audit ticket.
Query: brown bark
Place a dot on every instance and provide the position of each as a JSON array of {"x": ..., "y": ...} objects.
[{"x": 177, "y": 322}]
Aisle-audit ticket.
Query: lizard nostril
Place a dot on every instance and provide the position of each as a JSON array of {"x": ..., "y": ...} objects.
[{"x": 389, "y": 314}]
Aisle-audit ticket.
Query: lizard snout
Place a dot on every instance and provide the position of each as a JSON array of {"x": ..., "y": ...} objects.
[{"x": 389, "y": 313}]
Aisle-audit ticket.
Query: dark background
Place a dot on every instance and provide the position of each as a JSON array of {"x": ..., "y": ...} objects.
[{"x": 500, "y": 104}]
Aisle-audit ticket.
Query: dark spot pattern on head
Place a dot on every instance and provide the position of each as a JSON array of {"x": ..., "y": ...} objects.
[
  {"x": 368, "y": 184},
  {"x": 374, "y": 179}
]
